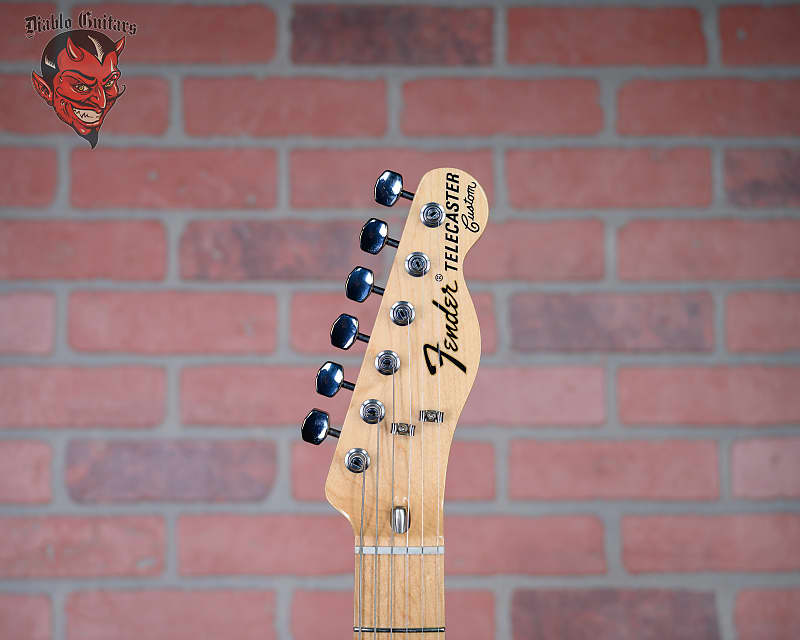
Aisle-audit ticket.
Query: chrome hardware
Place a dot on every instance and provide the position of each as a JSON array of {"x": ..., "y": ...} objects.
[
  {"x": 372, "y": 411},
  {"x": 357, "y": 460},
  {"x": 387, "y": 362},
  {"x": 360, "y": 283},
  {"x": 330, "y": 378},
  {"x": 374, "y": 235},
  {"x": 389, "y": 187},
  {"x": 316, "y": 427},
  {"x": 431, "y": 415},
  {"x": 400, "y": 519},
  {"x": 403, "y": 429},
  {"x": 344, "y": 332},
  {"x": 417, "y": 264},
  {"x": 402, "y": 313},
  {"x": 432, "y": 215}
]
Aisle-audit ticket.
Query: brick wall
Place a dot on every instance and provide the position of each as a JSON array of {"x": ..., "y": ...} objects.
[{"x": 630, "y": 454}]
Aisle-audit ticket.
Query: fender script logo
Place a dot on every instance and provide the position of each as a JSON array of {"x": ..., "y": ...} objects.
[{"x": 450, "y": 341}]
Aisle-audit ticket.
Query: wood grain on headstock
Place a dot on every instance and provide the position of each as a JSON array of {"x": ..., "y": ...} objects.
[{"x": 446, "y": 321}]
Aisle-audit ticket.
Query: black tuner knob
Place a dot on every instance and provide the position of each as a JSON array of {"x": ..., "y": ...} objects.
[
  {"x": 330, "y": 378},
  {"x": 317, "y": 426},
  {"x": 360, "y": 283},
  {"x": 344, "y": 332},
  {"x": 375, "y": 234},
  {"x": 389, "y": 187}
]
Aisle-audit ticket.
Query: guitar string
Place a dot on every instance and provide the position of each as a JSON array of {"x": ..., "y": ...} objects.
[
  {"x": 439, "y": 427},
  {"x": 422, "y": 463},
  {"x": 361, "y": 557},
  {"x": 391, "y": 557},
  {"x": 410, "y": 458},
  {"x": 375, "y": 565}
]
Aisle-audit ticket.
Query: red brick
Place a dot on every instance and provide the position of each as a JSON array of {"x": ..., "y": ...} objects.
[
  {"x": 630, "y": 36},
  {"x": 564, "y": 545},
  {"x": 611, "y": 614},
  {"x": 228, "y": 544},
  {"x": 81, "y": 547},
  {"x": 538, "y": 251},
  {"x": 342, "y": 178},
  {"x": 748, "y": 395},
  {"x": 709, "y": 249},
  {"x": 188, "y": 33},
  {"x": 685, "y": 543},
  {"x": 763, "y": 321},
  {"x": 25, "y": 617},
  {"x": 27, "y": 322},
  {"x": 253, "y": 395},
  {"x": 170, "y": 470},
  {"x": 595, "y": 470},
  {"x": 762, "y": 177},
  {"x": 470, "y": 471},
  {"x": 591, "y": 178},
  {"x": 470, "y": 617},
  {"x": 171, "y": 615},
  {"x": 554, "y": 395},
  {"x": 768, "y": 614},
  {"x": 21, "y": 108},
  {"x": 172, "y": 322},
  {"x": 612, "y": 322},
  {"x": 270, "y": 250},
  {"x": 470, "y": 106},
  {"x": 759, "y": 35},
  {"x": 766, "y": 468},
  {"x": 401, "y": 35},
  {"x": 174, "y": 178},
  {"x": 66, "y": 250},
  {"x": 142, "y": 110},
  {"x": 29, "y": 176},
  {"x": 15, "y": 44},
  {"x": 709, "y": 106},
  {"x": 81, "y": 396},
  {"x": 278, "y": 106},
  {"x": 25, "y": 471},
  {"x": 310, "y": 313}
]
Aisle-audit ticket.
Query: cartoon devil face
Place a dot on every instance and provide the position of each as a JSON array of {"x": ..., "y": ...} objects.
[{"x": 79, "y": 79}]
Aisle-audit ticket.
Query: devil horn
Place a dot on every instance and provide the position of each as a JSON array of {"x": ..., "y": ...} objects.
[
  {"x": 74, "y": 52},
  {"x": 119, "y": 45}
]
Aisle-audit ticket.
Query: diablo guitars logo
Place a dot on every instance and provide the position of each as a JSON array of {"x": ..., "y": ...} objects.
[{"x": 80, "y": 79}]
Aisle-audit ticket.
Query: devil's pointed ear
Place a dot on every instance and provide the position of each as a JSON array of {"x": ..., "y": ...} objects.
[
  {"x": 42, "y": 88},
  {"x": 72, "y": 51},
  {"x": 119, "y": 45}
]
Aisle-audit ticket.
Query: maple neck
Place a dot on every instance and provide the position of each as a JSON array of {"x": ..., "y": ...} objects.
[{"x": 403, "y": 591}]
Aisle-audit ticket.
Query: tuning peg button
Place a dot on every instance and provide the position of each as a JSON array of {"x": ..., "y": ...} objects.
[
  {"x": 344, "y": 332},
  {"x": 316, "y": 427},
  {"x": 360, "y": 283},
  {"x": 375, "y": 234},
  {"x": 389, "y": 187},
  {"x": 330, "y": 378}
]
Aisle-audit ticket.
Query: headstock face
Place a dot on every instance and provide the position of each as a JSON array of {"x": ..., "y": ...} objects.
[{"x": 438, "y": 353}]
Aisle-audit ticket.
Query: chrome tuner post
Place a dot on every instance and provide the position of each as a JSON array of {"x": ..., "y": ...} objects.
[
  {"x": 389, "y": 187},
  {"x": 357, "y": 460},
  {"x": 330, "y": 378},
  {"x": 344, "y": 332},
  {"x": 360, "y": 283},
  {"x": 316, "y": 427},
  {"x": 374, "y": 235}
]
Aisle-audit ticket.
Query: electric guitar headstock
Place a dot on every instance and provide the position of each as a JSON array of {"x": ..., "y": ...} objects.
[{"x": 388, "y": 471}]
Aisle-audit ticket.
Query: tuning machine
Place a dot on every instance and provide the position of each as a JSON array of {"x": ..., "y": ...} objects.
[
  {"x": 360, "y": 283},
  {"x": 374, "y": 235},
  {"x": 316, "y": 427},
  {"x": 389, "y": 187},
  {"x": 344, "y": 332},
  {"x": 330, "y": 378}
]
